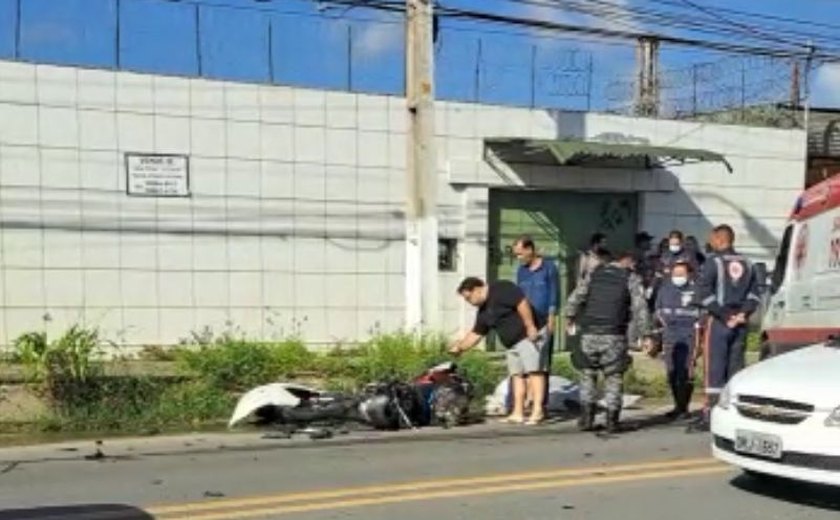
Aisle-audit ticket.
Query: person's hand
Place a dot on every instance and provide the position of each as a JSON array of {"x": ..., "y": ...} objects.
[
  {"x": 570, "y": 327},
  {"x": 455, "y": 349},
  {"x": 730, "y": 323},
  {"x": 533, "y": 333},
  {"x": 733, "y": 321}
]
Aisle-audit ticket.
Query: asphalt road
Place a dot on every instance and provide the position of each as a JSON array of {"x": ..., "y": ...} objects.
[{"x": 510, "y": 473}]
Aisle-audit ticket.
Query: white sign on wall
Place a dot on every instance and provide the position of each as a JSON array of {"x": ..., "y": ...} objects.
[{"x": 157, "y": 175}]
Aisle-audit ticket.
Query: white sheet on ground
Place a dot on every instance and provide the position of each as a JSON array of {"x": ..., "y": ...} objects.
[{"x": 561, "y": 392}]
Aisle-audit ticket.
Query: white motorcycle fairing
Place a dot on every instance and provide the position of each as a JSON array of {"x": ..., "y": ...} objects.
[{"x": 274, "y": 394}]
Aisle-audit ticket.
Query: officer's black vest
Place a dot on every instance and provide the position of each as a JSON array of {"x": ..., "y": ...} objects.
[{"x": 607, "y": 309}]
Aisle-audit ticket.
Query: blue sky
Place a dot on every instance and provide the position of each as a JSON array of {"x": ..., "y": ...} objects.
[{"x": 308, "y": 45}]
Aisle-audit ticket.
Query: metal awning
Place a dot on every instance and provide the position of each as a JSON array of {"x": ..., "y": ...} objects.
[{"x": 575, "y": 152}]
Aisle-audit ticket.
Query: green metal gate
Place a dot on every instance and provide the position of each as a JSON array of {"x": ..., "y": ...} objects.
[{"x": 560, "y": 222}]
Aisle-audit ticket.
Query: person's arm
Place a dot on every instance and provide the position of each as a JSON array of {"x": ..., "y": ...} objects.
[
  {"x": 706, "y": 295},
  {"x": 470, "y": 340},
  {"x": 523, "y": 308},
  {"x": 639, "y": 309},
  {"x": 553, "y": 295},
  {"x": 753, "y": 300},
  {"x": 577, "y": 299},
  {"x": 658, "y": 308},
  {"x": 581, "y": 267}
]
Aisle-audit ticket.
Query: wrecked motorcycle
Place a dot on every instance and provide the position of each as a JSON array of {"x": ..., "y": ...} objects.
[{"x": 441, "y": 395}]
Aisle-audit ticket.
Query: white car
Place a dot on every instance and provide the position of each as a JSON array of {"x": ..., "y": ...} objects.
[{"x": 781, "y": 417}]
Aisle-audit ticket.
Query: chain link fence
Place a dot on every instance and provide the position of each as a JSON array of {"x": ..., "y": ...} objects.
[{"x": 745, "y": 90}]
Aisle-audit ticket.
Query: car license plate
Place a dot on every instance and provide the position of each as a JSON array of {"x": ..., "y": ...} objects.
[{"x": 758, "y": 444}]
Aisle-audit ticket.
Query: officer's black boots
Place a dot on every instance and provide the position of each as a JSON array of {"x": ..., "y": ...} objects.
[
  {"x": 586, "y": 422},
  {"x": 682, "y": 400},
  {"x": 612, "y": 421},
  {"x": 685, "y": 399},
  {"x": 675, "y": 393}
]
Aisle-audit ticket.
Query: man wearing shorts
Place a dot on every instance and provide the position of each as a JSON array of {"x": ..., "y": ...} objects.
[{"x": 504, "y": 309}]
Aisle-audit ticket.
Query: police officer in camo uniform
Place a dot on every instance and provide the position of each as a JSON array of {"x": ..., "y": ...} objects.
[{"x": 610, "y": 309}]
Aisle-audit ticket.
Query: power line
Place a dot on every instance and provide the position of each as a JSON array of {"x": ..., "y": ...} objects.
[
  {"x": 734, "y": 23},
  {"x": 749, "y": 29},
  {"x": 601, "y": 35},
  {"x": 785, "y": 19},
  {"x": 629, "y": 35},
  {"x": 619, "y": 14}
]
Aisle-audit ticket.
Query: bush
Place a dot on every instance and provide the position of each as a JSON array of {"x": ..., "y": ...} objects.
[
  {"x": 106, "y": 403},
  {"x": 397, "y": 356},
  {"x": 73, "y": 356},
  {"x": 561, "y": 366},
  {"x": 231, "y": 364},
  {"x": 139, "y": 405},
  {"x": 212, "y": 370},
  {"x": 193, "y": 404},
  {"x": 483, "y": 372},
  {"x": 651, "y": 386},
  {"x": 159, "y": 353},
  {"x": 402, "y": 356},
  {"x": 754, "y": 341}
]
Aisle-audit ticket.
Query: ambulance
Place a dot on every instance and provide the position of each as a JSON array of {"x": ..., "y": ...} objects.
[
  {"x": 803, "y": 305},
  {"x": 781, "y": 417}
]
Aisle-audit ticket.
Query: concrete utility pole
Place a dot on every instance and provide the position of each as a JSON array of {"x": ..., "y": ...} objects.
[
  {"x": 795, "y": 95},
  {"x": 421, "y": 266},
  {"x": 647, "y": 81}
]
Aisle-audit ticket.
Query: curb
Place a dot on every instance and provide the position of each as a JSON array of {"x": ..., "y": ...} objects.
[{"x": 128, "y": 449}]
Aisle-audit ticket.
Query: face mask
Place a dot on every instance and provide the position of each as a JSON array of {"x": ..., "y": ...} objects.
[
  {"x": 679, "y": 281},
  {"x": 674, "y": 249}
]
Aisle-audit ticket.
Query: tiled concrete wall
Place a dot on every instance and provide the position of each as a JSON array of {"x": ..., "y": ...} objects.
[{"x": 295, "y": 220}]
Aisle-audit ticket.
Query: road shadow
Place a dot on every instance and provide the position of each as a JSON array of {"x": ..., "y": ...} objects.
[
  {"x": 77, "y": 512},
  {"x": 656, "y": 421},
  {"x": 801, "y": 493}
]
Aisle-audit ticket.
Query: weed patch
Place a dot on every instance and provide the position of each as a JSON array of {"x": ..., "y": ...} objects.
[{"x": 211, "y": 372}]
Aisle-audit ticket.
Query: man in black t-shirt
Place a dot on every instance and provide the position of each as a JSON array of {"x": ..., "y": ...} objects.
[{"x": 503, "y": 308}]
